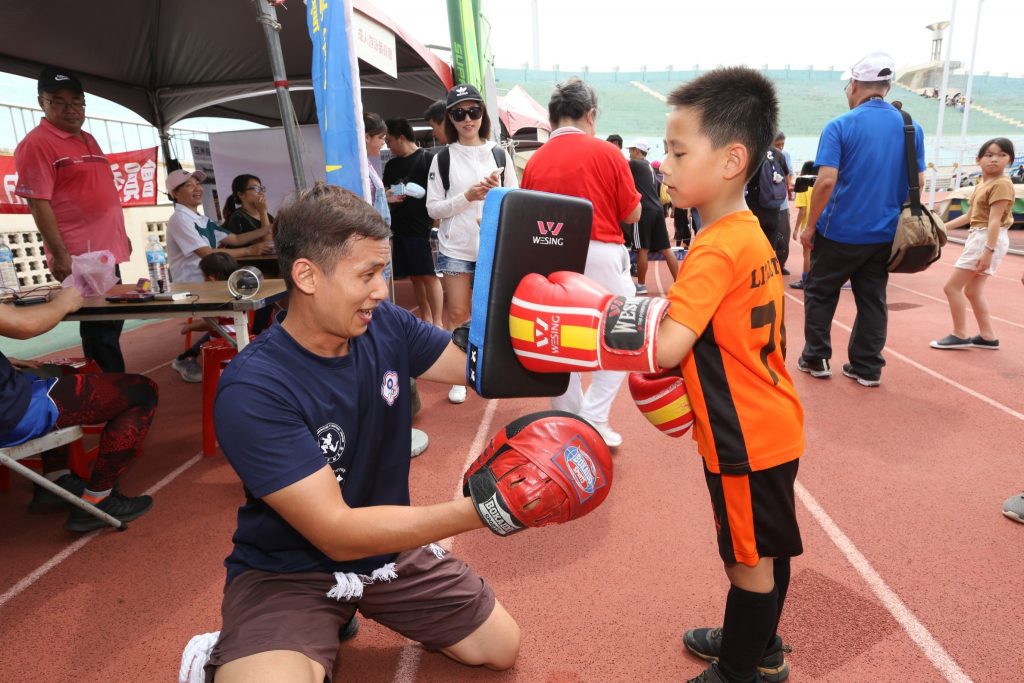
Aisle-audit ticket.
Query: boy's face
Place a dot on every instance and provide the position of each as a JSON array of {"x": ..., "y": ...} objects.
[{"x": 693, "y": 169}]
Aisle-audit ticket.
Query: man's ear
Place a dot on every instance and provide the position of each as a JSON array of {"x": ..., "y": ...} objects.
[
  {"x": 736, "y": 159},
  {"x": 306, "y": 275}
]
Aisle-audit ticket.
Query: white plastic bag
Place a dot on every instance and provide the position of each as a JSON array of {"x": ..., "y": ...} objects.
[{"x": 92, "y": 273}]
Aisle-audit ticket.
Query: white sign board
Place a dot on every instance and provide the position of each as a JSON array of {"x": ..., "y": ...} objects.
[{"x": 375, "y": 44}]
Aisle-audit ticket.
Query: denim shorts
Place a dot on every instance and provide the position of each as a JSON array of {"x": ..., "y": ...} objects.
[{"x": 454, "y": 266}]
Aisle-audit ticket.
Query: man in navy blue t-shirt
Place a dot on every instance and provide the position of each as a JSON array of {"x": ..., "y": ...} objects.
[
  {"x": 861, "y": 187},
  {"x": 315, "y": 418}
]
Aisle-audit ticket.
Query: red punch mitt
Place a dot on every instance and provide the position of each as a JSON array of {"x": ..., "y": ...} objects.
[
  {"x": 545, "y": 468},
  {"x": 663, "y": 400}
]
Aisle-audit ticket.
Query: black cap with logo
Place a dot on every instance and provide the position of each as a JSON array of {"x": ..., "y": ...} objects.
[
  {"x": 462, "y": 93},
  {"x": 52, "y": 79}
]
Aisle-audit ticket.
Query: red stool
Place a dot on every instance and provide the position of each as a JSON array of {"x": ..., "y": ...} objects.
[{"x": 216, "y": 355}]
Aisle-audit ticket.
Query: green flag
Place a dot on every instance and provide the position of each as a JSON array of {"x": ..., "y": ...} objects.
[{"x": 464, "y": 26}]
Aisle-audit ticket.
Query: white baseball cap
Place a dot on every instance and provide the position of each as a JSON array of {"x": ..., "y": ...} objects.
[
  {"x": 176, "y": 179},
  {"x": 640, "y": 145},
  {"x": 877, "y": 66}
]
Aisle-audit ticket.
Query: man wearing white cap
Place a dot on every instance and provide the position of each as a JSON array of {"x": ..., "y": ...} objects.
[
  {"x": 66, "y": 180},
  {"x": 861, "y": 186}
]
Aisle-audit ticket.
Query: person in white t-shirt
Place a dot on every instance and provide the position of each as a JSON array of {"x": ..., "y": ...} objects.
[
  {"x": 191, "y": 236},
  {"x": 472, "y": 172}
]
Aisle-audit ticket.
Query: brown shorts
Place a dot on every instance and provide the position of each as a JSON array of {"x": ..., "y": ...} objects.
[
  {"x": 437, "y": 602},
  {"x": 755, "y": 513}
]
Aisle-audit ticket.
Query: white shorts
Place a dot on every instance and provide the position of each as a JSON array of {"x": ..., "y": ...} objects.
[{"x": 977, "y": 238}]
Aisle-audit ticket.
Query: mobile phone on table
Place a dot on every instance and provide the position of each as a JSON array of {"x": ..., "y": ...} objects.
[
  {"x": 31, "y": 300},
  {"x": 130, "y": 297}
]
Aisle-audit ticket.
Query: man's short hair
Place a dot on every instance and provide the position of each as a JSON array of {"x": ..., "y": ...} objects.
[
  {"x": 735, "y": 104},
  {"x": 401, "y": 128},
  {"x": 615, "y": 140},
  {"x": 320, "y": 223},
  {"x": 436, "y": 112}
]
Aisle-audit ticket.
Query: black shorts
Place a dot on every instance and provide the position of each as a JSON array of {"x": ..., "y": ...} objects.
[
  {"x": 653, "y": 231},
  {"x": 411, "y": 255},
  {"x": 755, "y": 513}
]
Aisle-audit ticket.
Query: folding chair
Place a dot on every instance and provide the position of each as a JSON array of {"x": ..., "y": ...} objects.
[{"x": 10, "y": 456}]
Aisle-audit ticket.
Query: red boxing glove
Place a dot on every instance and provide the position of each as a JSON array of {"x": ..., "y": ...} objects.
[
  {"x": 567, "y": 322},
  {"x": 544, "y": 468},
  {"x": 663, "y": 400}
]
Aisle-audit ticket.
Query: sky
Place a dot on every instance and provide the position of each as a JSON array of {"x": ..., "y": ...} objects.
[{"x": 682, "y": 33}]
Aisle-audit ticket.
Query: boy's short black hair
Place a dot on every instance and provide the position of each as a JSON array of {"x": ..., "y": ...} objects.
[
  {"x": 219, "y": 265},
  {"x": 735, "y": 104}
]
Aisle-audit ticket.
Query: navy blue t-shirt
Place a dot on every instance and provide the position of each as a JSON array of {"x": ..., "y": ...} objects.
[
  {"x": 283, "y": 412},
  {"x": 15, "y": 393}
]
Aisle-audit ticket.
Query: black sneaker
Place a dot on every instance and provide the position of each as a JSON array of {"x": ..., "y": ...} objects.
[
  {"x": 817, "y": 368},
  {"x": 980, "y": 342},
  {"x": 785, "y": 272},
  {"x": 796, "y": 284},
  {"x": 706, "y": 643},
  {"x": 349, "y": 630},
  {"x": 951, "y": 341},
  {"x": 45, "y": 501},
  {"x": 861, "y": 379},
  {"x": 121, "y": 507}
]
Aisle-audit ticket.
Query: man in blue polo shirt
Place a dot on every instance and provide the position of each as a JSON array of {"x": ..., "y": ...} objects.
[{"x": 861, "y": 186}]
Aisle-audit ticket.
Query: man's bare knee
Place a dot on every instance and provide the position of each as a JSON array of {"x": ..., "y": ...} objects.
[{"x": 495, "y": 644}]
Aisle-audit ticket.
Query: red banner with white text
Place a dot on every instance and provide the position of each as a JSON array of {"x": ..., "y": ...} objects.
[{"x": 134, "y": 177}]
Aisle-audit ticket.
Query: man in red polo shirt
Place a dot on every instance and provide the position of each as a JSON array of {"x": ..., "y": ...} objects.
[{"x": 67, "y": 181}]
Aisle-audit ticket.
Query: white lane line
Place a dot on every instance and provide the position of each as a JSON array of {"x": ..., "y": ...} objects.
[
  {"x": 944, "y": 301},
  {"x": 937, "y": 375},
  {"x": 409, "y": 657},
  {"x": 931, "y": 648},
  {"x": 67, "y": 552}
]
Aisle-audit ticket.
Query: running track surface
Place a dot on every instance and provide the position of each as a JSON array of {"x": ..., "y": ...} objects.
[{"x": 910, "y": 572}]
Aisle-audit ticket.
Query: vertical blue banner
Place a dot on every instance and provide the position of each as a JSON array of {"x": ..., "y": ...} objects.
[{"x": 335, "y": 86}]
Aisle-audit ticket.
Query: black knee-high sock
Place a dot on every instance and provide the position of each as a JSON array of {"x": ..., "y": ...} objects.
[
  {"x": 781, "y": 569},
  {"x": 750, "y": 619}
]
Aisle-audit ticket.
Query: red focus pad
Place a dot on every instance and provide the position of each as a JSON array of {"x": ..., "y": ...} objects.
[
  {"x": 663, "y": 400},
  {"x": 545, "y": 468}
]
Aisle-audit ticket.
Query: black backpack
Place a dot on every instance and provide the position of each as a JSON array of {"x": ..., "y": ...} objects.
[
  {"x": 444, "y": 163},
  {"x": 768, "y": 186}
]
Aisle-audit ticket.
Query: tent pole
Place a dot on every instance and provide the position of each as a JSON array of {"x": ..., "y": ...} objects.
[{"x": 267, "y": 15}]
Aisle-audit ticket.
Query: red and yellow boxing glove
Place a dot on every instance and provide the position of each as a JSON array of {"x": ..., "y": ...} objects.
[
  {"x": 662, "y": 398},
  {"x": 569, "y": 323}
]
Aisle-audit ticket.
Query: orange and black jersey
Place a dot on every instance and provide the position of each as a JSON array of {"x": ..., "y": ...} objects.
[{"x": 747, "y": 416}]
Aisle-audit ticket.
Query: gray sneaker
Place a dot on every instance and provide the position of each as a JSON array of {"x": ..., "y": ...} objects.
[
  {"x": 816, "y": 368},
  {"x": 189, "y": 369},
  {"x": 861, "y": 379},
  {"x": 951, "y": 341},
  {"x": 1013, "y": 508},
  {"x": 980, "y": 342},
  {"x": 706, "y": 643}
]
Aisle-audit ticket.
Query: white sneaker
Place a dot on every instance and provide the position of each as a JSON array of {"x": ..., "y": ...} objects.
[
  {"x": 189, "y": 369},
  {"x": 457, "y": 394},
  {"x": 610, "y": 436}
]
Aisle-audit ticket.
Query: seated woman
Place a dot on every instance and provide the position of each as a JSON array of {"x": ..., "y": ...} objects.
[
  {"x": 32, "y": 406},
  {"x": 191, "y": 236},
  {"x": 246, "y": 209}
]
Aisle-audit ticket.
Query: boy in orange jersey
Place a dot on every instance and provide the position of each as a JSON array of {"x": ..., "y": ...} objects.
[{"x": 723, "y": 322}]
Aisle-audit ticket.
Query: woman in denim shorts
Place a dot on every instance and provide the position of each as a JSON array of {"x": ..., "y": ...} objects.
[{"x": 472, "y": 173}]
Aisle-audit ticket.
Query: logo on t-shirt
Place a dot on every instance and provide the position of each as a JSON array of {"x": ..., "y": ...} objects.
[
  {"x": 332, "y": 442},
  {"x": 389, "y": 387}
]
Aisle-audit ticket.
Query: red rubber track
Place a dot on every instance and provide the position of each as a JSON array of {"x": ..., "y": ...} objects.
[{"x": 913, "y": 474}]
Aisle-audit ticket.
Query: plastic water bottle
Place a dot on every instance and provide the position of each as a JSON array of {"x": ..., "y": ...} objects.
[
  {"x": 156, "y": 259},
  {"x": 8, "y": 275}
]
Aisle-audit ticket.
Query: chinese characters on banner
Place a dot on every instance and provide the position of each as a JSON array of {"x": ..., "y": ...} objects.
[{"x": 134, "y": 177}]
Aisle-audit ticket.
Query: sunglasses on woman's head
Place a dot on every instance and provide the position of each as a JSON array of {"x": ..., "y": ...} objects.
[{"x": 459, "y": 115}]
